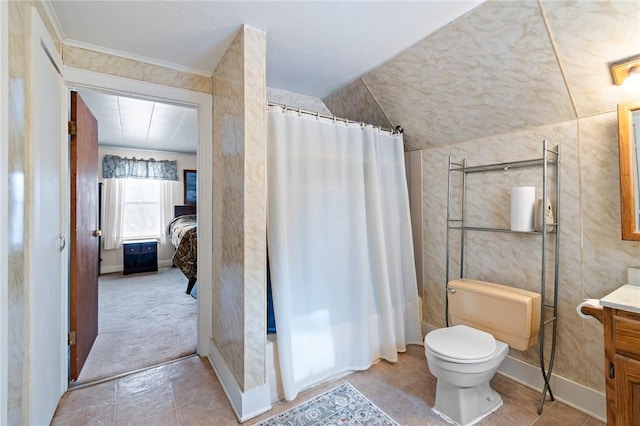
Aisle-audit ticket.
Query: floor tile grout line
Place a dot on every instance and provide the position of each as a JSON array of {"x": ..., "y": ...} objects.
[
  {"x": 115, "y": 402},
  {"x": 430, "y": 410},
  {"x": 366, "y": 379},
  {"x": 173, "y": 400}
]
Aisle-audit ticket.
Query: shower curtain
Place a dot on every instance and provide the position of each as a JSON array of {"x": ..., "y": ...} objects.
[{"x": 340, "y": 248}]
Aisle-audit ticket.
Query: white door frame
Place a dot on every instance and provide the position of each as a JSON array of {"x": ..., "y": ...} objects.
[
  {"x": 4, "y": 195},
  {"x": 78, "y": 78}
]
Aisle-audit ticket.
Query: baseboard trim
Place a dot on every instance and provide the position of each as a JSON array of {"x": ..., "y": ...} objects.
[
  {"x": 119, "y": 268},
  {"x": 573, "y": 394},
  {"x": 564, "y": 390},
  {"x": 246, "y": 405},
  {"x": 111, "y": 269}
]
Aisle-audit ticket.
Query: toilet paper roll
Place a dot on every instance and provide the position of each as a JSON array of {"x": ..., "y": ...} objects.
[
  {"x": 523, "y": 199},
  {"x": 588, "y": 302}
]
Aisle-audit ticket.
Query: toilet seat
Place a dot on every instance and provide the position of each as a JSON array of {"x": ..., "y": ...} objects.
[{"x": 461, "y": 344}]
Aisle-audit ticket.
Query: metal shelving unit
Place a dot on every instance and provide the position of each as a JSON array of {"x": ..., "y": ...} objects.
[{"x": 550, "y": 160}]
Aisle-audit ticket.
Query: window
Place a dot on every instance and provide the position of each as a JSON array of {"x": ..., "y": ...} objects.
[
  {"x": 138, "y": 197},
  {"x": 142, "y": 216}
]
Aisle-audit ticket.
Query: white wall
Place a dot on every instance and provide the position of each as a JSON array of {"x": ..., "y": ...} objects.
[{"x": 112, "y": 259}]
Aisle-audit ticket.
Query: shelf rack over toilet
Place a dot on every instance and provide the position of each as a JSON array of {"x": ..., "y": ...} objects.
[{"x": 550, "y": 160}]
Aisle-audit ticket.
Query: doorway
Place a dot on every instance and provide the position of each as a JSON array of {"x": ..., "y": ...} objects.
[
  {"x": 143, "y": 316},
  {"x": 201, "y": 103}
]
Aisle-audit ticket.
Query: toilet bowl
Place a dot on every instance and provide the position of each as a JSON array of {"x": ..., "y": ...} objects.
[
  {"x": 464, "y": 360},
  {"x": 487, "y": 319}
]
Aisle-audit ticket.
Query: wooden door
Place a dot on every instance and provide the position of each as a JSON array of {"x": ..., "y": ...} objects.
[{"x": 83, "y": 282}]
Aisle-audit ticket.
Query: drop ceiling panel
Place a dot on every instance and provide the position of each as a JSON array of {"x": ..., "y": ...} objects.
[{"x": 140, "y": 124}]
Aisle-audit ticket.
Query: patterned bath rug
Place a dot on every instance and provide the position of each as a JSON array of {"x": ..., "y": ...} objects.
[{"x": 343, "y": 406}]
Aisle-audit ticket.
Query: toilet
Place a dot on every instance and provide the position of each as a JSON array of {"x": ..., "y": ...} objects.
[{"x": 486, "y": 320}]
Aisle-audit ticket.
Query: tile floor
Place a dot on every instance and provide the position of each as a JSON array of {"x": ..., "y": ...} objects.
[{"x": 187, "y": 392}]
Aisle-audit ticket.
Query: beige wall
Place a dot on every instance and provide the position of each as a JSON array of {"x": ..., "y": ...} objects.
[
  {"x": 19, "y": 203},
  {"x": 239, "y": 200},
  {"x": 593, "y": 258},
  {"x": 122, "y": 67},
  {"x": 19, "y": 163},
  {"x": 296, "y": 100},
  {"x": 112, "y": 259},
  {"x": 491, "y": 86}
]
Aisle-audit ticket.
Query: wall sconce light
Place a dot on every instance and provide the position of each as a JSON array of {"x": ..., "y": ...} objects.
[{"x": 627, "y": 71}]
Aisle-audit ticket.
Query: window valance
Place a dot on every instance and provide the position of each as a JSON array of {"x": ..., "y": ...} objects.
[{"x": 114, "y": 167}]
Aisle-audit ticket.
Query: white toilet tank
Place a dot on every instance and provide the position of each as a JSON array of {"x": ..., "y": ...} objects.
[{"x": 510, "y": 314}]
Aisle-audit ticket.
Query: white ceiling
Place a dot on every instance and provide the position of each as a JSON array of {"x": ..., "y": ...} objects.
[
  {"x": 140, "y": 124},
  {"x": 313, "y": 47}
]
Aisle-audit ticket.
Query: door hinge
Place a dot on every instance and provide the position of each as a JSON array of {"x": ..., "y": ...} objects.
[
  {"x": 612, "y": 371},
  {"x": 72, "y": 128},
  {"x": 71, "y": 338}
]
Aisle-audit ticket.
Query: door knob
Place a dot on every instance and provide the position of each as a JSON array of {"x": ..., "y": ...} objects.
[{"x": 97, "y": 233}]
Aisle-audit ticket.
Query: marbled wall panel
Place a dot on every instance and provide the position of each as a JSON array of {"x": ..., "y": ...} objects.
[
  {"x": 77, "y": 57},
  {"x": 606, "y": 255},
  {"x": 601, "y": 217},
  {"x": 239, "y": 322},
  {"x": 507, "y": 258},
  {"x": 589, "y": 35},
  {"x": 413, "y": 169},
  {"x": 355, "y": 102},
  {"x": 19, "y": 201},
  {"x": 490, "y": 85},
  {"x": 492, "y": 71},
  {"x": 19, "y": 134},
  {"x": 228, "y": 166},
  {"x": 434, "y": 205},
  {"x": 297, "y": 100},
  {"x": 255, "y": 202}
]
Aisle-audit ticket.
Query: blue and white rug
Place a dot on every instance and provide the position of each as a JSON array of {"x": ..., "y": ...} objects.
[{"x": 342, "y": 405}]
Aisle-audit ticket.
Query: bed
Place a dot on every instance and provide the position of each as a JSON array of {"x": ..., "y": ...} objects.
[{"x": 183, "y": 233}]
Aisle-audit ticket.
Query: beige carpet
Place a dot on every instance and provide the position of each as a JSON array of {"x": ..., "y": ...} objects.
[{"x": 144, "y": 319}]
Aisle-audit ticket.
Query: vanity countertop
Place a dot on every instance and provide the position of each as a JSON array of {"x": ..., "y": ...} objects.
[{"x": 626, "y": 298}]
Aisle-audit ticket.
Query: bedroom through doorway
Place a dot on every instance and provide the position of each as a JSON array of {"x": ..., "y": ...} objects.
[{"x": 145, "y": 316}]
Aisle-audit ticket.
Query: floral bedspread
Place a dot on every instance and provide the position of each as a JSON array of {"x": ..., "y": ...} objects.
[{"x": 183, "y": 232}]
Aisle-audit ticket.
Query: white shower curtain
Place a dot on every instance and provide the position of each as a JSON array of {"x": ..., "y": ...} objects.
[{"x": 340, "y": 248}]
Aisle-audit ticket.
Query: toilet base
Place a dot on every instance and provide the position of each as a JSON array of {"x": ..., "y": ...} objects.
[{"x": 465, "y": 406}]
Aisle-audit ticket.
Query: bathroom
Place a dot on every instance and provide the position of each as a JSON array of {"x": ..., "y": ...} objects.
[
  {"x": 558, "y": 104},
  {"x": 568, "y": 98}
]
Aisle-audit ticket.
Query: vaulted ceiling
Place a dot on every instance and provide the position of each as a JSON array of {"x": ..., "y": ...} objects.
[
  {"x": 494, "y": 67},
  {"x": 503, "y": 67},
  {"x": 313, "y": 48}
]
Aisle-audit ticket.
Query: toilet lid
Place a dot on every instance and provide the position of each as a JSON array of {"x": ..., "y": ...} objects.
[{"x": 461, "y": 344}]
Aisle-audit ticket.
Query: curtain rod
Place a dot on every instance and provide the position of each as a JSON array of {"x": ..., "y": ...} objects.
[{"x": 397, "y": 130}]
